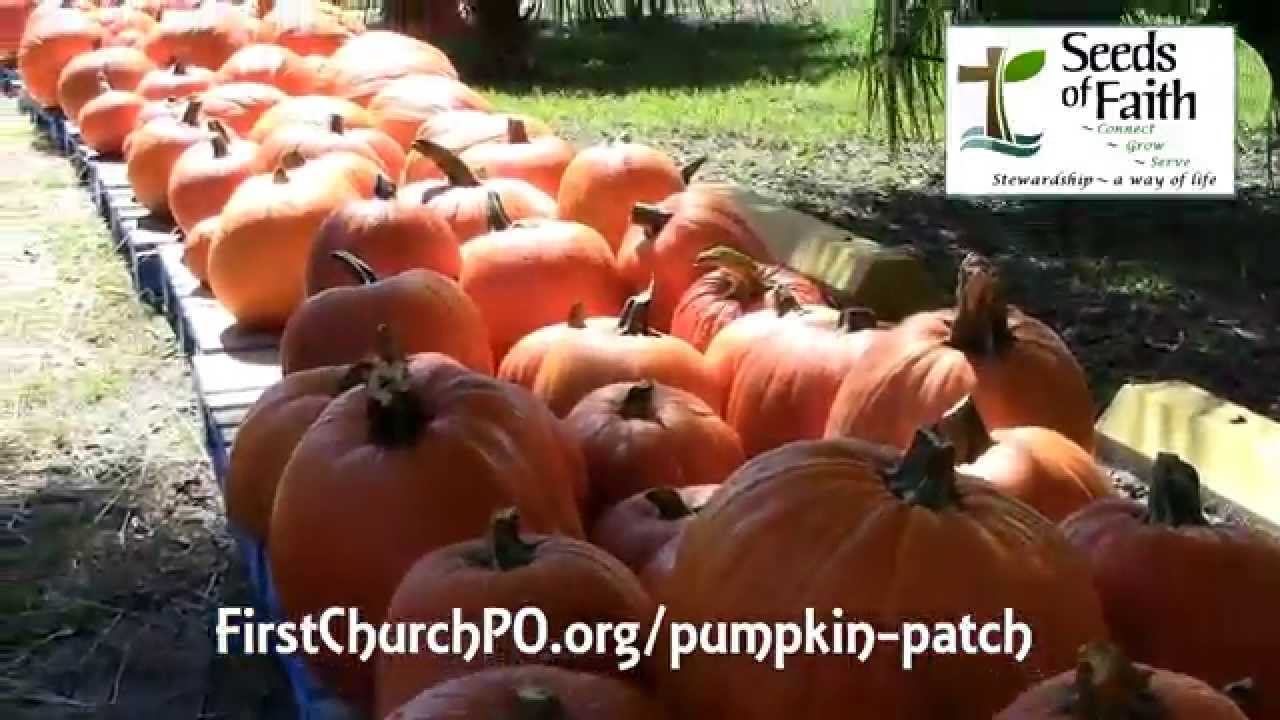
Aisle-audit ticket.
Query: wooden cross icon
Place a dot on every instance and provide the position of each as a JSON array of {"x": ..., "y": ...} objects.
[{"x": 997, "y": 123}]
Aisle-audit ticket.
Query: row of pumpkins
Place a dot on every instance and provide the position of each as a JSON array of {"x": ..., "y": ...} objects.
[{"x": 522, "y": 373}]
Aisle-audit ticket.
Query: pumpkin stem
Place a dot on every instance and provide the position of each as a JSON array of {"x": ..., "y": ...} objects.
[
  {"x": 651, "y": 217},
  {"x": 669, "y": 503},
  {"x": 857, "y": 319},
  {"x": 191, "y": 114},
  {"x": 280, "y": 176},
  {"x": 1175, "y": 493},
  {"x": 336, "y": 124},
  {"x": 634, "y": 319},
  {"x": 577, "y": 316},
  {"x": 1110, "y": 687},
  {"x": 516, "y": 131},
  {"x": 637, "y": 404},
  {"x": 689, "y": 170},
  {"x": 458, "y": 173},
  {"x": 179, "y": 66},
  {"x": 395, "y": 417},
  {"x": 743, "y": 266},
  {"x": 104, "y": 82},
  {"x": 981, "y": 324},
  {"x": 219, "y": 139},
  {"x": 926, "y": 475},
  {"x": 538, "y": 703},
  {"x": 507, "y": 549},
  {"x": 963, "y": 427},
  {"x": 358, "y": 268},
  {"x": 1244, "y": 693},
  {"x": 496, "y": 213},
  {"x": 357, "y": 374},
  {"x": 785, "y": 302},
  {"x": 292, "y": 160},
  {"x": 383, "y": 188}
]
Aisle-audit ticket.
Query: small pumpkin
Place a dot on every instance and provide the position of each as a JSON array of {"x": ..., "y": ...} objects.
[
  {"x": 206, "y": 37},
  {"x": 238, "y": 106},
  {"x": 644, "y": 530},
  {"x": 427, "y": 311},
  {"x": 1017, "y": 369},
  {"x": 522, "y": 362},
  {"x": 632, "y": 351},
  {"x": 178, "y": 80},
  {"x": 461, "y": 130},
  {"x": 79, "y": 81},
  {"x": 206, "y": 174},
  {"x": 403, "y": 104},
  {"x": 313, "y": 110},
  {"x": 462, "y": 199},
  {"x": 734, "y": 285},
  {"x": 539, "y": 161},
  {"x": 511, "y": 570},
  {"x": 604, "y": 182},
  {"x": 1183, "y": 593},
  {"x": 418, "y": 458},
  {"x": 314, "y": 142},
  {"x": 641, "y": 435},
  {"x": 531, "y": 691},
  {"x": 388, "y": 234},
  {"x": 152, "y": 151},
  {"x": 887, "y": 539},
  {"x": 272, "y": 65},
  {"x": 50, "y": 40},
  {"x": 270, "y": 432},
  {"x": 108, "y": 119},
  {"x": 195, "y": 247},
  {"x": 1106, "y": 684},
  {"x": 368, "y": 62},
  {"x": 524, "y": 274}
]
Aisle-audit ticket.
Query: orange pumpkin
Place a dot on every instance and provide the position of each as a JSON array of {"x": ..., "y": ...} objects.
[
  {"x": 238, "y": 106},
  {"x": 257, "y": 262},
  {"x": 124, "y": 26},
  {"x": 524, "y": 274},
  {"x": 388, "y": 234},
  {"x": 891, "y": 541},
  {"x": 644, "y": 530},
  {"x": 1106, "y": 684},
  {"x": 79, "y": 83},
  {"x": 314, "y": 142},
  {"x": 531, "y": 691},
  {"x": 507, "y": 570},
  {"x": 195, "y": 247},
  {"x": 460, "y": 130},
  {"x": 523, "y": 361},
  {"x": 153, "y": 149},
  {"x": 604, "y": 182},
  {"x": 108, "y": 119},
  {"x": 49, "y": 42},
  {"x": 314, "y": 110},
  {"x": 462, "y": 199},
  {"x": 206, "y": 174},
  {"x": 631, "y": 352},
  {"x": 368, "y": 62},
  {"x": 640, "y": 435},
  {"x": 268, "y": 435},
  {"x": 539, "y": 161},
  {"x": 425, "y": 310},
  {"x": 205, "y": 37},
  {"x": 178, "y": 80},
  {"x": 403, "y": 104},
  {"x": 305, "y": 33},
  {"x": 724, "y": 354},
  {"x": 1166, "y": 567},
  {"x": 272, "y": 65},
  {"x": 734, "y": 285},
  {"x": 1019, "y": 372},
  {"x": 393, "y": 470},
  {"x": 170, "y": 107}
]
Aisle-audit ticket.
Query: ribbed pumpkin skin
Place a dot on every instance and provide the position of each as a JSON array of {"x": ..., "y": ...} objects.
[
  {"x": 637, "y": 532},
  {"x": 107, "y": 120},
  {"x": 270, "y": 65},
  {"x": 403, "y": 104},
  {"x": 179, "y": 81},
  {"x": 50, "y": 41},
  {"x": 205, "y": 176},
  {"x": 604, "y": 182},
  {"x": 370, "y": 61},
  {"x": 206, "y": 37},
  {"x": 239, "y": 105},
  {"x": 152, "y": 152},
  {"x": 79, "y": 83}
]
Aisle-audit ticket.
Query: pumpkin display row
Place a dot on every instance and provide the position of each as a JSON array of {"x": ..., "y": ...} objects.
[{"x": 517, "y": 372}]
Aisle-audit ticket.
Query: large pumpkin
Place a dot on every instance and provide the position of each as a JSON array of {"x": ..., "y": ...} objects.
[
  {"x": 460, "y": 130},
  {"x": 418, "y": 458},
  {"x": 1182, "y": 593},
  {"x": 368, "y": 62},
  {"x": 1106, "y": 684},
  {"x": 462, "y": 199},
  {"x": 177, "y": 80},
  {"x": 206, "y": 174},
  {"x": 604, "y": 182},
  {"x": 522, "y": 362},
  {"x": 49, "y": 42},
  {"x": 665, "y": 241},
  {"x": 389, "y": 234},
  {"x": 108, "y": 119},
  {"x": 539, "y": 161},
  {"x": 270, "y": 432},
  {"x": 304, "y": 32},
  {"x": 272, "y": 65},
  {"x": 153, "y": 149},
  {"x": 314, "y": 110},
  {"x": 206, "y": 37},
  {"x": 79, "y": 81},
  {"x": 425, "y": 310},
  {"x": 238, "y": 106},
  {"x": 257, "y": 263},
  {"x": 632, "y": 351},
  {"x": 1036, "y": 465},
  {"x": 734, "y": 285},
  {"x": 524, "y": 275},
  {"x": 899, "y": 543},
  {"x": 313, "y": 142},
  {"x": 403, "y": 104},
  {"x": 644, "y": 530},
  {"x": 532, "y": 691},
  {"x": 509, "y": 570},
  {"x": 1019, "y": 372},
  {"x": 641, "y": 435}
]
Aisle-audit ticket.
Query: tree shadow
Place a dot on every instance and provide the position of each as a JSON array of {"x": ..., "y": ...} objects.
[{"x": 620, "y": 56}]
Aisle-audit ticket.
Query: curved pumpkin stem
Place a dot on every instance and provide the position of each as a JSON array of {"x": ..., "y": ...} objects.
[
  {"x": 637, "y": 404},
  {"x": 1243, "y": 693},
  {"x": 280, "y": 176},
  {"x": 651, "y": 217},
  {"x": 963, "y": 427},
  {"x": 538, "y": 703},
  {"x": 509, "y": 551},
  {"x": 1175, "y": 493},
  {"x": 383, "y": 188},
  {"x": 981, "y": 324},
  {"x": 691, "y": 168},
  {"x": 495, "y": 213},
  {"x": 457, "y": 171},
  {"x": 634, "y": 319},
  {"x": 577, "y": 316},
  {"x": 743, "y": 266},
  {"x": 337, "y": 125},
  {"x": 292, "y": 160},
  {"x": 784, "y": 301},
  {"x": 669, "y": 503},
  {"x": 517, "y": 133},
  {"x": 358, "y": 268},
  {"x": 395, "y": 417},
  {"x": 926, "y": 475},
  {"x": 857, "y": 319},
  {"x": 219, "y": 139},
  {"x": 1107, "y": 685},
  {"x": 191, "y": 115}
]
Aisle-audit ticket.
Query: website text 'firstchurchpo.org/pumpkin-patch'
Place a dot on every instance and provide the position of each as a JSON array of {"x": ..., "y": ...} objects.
[{"x": 528, "y": 631}]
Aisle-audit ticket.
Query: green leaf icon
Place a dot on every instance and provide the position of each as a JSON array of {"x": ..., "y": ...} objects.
[{"x": 1024, "y": 66}]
